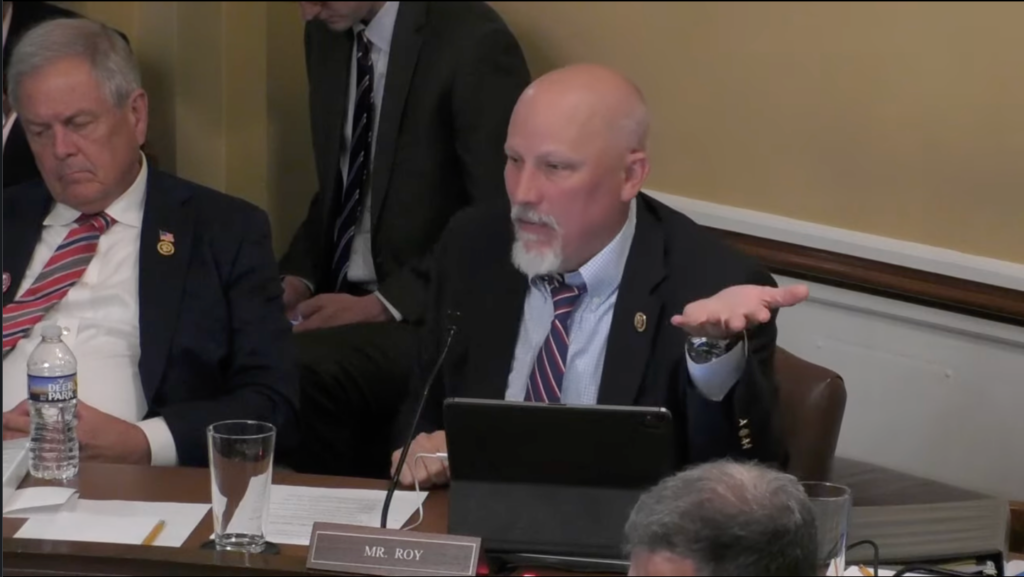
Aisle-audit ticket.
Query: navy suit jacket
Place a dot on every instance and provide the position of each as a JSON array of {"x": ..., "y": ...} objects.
[
  {"x": 215, "y": 341},
  {"x": 672, "y": 262}
]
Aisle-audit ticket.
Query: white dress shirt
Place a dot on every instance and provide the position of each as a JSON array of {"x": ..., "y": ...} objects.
[
  {"x": 589, "y": 327},
  {"x": 100, "y": 315},
  {"x": 8, "y": 122}
]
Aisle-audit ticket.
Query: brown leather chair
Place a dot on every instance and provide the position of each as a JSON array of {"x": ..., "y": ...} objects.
[{"x": 812, "y": 401}]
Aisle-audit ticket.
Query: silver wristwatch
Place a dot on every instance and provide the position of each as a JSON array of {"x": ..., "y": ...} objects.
[{"x": 703, "y": 350}]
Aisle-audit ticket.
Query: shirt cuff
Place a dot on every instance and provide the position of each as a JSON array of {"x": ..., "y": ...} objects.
[
  {"x": 161, "y": 443},
  {"x": 393, "y": 310},
  {"x": 716, "y": 378},
  {"x": 304, "y": 281}
]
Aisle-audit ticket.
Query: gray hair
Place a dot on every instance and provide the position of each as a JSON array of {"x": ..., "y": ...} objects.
[
  {"x": 112, "y": 61},
  {"x": 728, "y": 519}
]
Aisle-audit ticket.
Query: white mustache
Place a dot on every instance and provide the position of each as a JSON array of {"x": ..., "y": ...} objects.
[{"x": 530, "y": 216}]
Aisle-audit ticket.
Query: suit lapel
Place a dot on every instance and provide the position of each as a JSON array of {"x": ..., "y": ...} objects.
[
  {"x": 334, "y": 100},
  {"x": 496, "y": 320},
  {"x": 22, "y": 230},
  {"x": 405, "y": 48},
  {"x": 629, "y": 341},
  {"x": 161, "y": 275}
]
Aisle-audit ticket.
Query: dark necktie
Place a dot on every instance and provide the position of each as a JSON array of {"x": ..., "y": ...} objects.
[
  {"x": 549, "y": 368},
  {"x": 349, "y": 192}
]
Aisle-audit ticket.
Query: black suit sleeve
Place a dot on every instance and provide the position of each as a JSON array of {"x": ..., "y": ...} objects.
[
  {"x": 743, "y": 425},
  {"x": 487, "y": 85},
  {"x": 428, "y": 351},
  {"x": 305, "y": 252},
  {"x": 261, "y": 384}
]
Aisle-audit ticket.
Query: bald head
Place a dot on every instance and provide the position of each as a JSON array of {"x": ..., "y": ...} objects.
[
  {"x": 577, "y": 156},
  {"x": 593, "y": 97}
]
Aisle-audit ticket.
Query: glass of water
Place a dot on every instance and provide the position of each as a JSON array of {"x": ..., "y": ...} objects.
[
  {"x": 832, "y": 513},
  {"x": 241, "y": 465}
]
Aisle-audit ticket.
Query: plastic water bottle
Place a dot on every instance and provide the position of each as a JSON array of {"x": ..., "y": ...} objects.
[{"x": 53, "y": 406}]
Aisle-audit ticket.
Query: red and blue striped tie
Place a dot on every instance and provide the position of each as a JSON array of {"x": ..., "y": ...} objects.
[
  {"x": 549, "y": 368},
  {"x": 62, "y": 271}
]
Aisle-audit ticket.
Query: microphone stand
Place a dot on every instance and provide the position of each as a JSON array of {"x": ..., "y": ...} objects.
[{"x": 412, "y": 429}]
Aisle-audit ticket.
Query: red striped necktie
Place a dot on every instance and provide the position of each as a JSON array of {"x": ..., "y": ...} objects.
[
  {"x": 549, "y": 368},
  {"x": 62, "y": 271}
]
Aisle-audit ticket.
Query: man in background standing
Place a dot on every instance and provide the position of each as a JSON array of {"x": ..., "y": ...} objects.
[{"x": 409, "y": 104}]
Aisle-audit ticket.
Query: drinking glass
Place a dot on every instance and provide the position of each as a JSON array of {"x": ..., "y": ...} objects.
[
  {"x": 832, "y": 513},
  {"x": 241, "y": 466}
]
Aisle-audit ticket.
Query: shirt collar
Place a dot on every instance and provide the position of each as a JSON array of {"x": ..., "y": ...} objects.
[
  {"x": 127, "y": 209},
  {"x": 603, "y": 273},
  {"x": 382, "y": 27},
  {"x": 7, "y": 23}
]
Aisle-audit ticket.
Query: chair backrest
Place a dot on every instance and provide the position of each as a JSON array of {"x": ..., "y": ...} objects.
[{"x": 812, "y": 401}]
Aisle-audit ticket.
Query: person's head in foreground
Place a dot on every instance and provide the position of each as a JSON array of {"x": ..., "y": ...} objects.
[
  {"x": 723, "y": 518},
  {"x": 76, "y": 87},
  {"x": 577, "y": 156}
]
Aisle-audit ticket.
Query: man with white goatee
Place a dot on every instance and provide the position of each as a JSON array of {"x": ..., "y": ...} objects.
[{"x": 595, "y": 293}]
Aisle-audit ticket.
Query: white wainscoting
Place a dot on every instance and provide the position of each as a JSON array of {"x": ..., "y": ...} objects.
[{"x": 932, "y": 393}]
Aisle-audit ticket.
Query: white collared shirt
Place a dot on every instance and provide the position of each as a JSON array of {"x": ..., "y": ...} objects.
[
  {"x": 8, "y": 122},
  {"x": 100, "y": 315}
]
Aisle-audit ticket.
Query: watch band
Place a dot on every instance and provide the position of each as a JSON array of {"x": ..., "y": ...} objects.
[{"x": 703, "y": 350}]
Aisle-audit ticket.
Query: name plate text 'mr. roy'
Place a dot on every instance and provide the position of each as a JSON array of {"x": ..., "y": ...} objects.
[{"x": 371, "y": 551}]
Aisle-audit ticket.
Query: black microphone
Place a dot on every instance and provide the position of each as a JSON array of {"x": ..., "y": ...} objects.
[{"x": 451, "y": 323}]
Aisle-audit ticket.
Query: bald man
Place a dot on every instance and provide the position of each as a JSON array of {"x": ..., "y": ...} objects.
[{"x": 592, "y": 292}]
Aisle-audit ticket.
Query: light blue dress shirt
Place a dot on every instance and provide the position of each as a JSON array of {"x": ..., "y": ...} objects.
[{"x": 589, "y": 327}]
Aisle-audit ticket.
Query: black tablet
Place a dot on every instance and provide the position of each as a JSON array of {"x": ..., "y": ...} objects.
[{"x": 534, "y": 478}]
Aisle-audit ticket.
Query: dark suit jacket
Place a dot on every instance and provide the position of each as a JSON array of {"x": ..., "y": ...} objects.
[
  {"x": 672, "y": 262},
  {"x": 454, "y": 75},
  {"x": 19, "y": 166},
  {"x": 214, "y": 339}
]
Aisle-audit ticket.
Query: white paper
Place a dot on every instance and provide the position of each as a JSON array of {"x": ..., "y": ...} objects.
[
  {"x": 293, "y": 510},
  {"x": 1014, "y": 568},
  {"x": 15, "y": 466},
  {"x": 27, "y": 500},
  {"x": 180, "y": 518},
  {"x": 92, "y": 528}
]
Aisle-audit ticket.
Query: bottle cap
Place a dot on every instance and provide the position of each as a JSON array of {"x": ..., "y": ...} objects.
[{"x": 52, "y": 332}]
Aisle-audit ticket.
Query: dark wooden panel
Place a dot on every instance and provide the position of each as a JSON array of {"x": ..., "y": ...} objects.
[{"x": 906, "y": 284}]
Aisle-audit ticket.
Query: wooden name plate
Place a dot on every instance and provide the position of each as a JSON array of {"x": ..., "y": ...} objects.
[{"x": 369, "y": 551}]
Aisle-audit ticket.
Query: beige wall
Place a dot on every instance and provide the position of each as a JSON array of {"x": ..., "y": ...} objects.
[
  {"x": 227, "y": 97},
  {"x": 904, "y": 120},
  {"x": 899, "y": 119}
]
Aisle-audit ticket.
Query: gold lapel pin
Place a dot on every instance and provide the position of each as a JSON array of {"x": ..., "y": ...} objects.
[
  {"x": 640, "y": 322},
  {"x": 166, "y": 244}
]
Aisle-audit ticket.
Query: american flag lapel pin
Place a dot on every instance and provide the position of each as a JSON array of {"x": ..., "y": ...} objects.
[{"x": 166, "y": 244}]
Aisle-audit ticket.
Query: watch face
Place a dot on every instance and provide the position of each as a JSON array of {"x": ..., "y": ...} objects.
[{"x": 704, "y": 350}]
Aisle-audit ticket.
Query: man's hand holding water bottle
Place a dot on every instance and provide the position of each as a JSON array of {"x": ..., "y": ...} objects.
[{"x": 101, "y": 437}]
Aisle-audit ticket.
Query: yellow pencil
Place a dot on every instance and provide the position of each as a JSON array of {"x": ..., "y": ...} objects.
[
  {"x": 151, "y": 538},
  {"x": 865, "y": 571}
]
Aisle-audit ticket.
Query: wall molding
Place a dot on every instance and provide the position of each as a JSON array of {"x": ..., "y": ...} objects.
[
  {"x": 866, "y": 246},
  {"x": 936, "y": 278}
]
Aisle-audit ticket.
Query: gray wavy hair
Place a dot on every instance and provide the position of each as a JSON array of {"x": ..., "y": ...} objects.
[
  {"x": 729, "y": 518},
  {"x": 110, "y": 57}
]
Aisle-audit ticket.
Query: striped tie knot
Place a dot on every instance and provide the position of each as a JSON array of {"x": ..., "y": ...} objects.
[{"x": 101, "y": 222}]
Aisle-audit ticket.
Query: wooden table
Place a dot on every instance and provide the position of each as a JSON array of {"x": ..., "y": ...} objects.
[
  {"x": 184, "y": 485},
  {"x": 177, "y": 485}
]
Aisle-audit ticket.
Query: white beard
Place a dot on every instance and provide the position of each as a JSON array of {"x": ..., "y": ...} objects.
[{"x": 535, "y": 262}]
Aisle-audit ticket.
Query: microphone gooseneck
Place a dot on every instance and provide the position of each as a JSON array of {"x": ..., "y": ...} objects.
[{"x": 450, "y": 328}]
